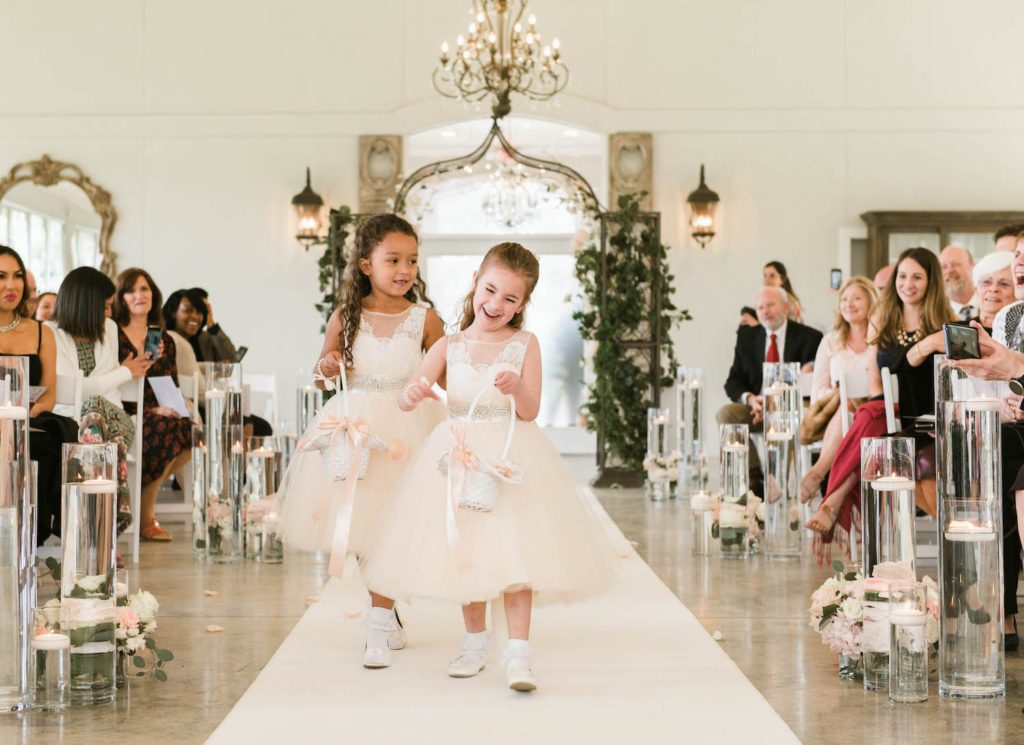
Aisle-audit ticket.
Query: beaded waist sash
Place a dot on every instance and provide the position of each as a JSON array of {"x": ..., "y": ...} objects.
[
  {"x": 374, "y": 383},
  {"x": 482, "y": 411}
]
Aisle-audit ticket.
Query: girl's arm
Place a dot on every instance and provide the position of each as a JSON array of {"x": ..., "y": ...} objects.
[
  {"x": 330, "y": 353},
  {"x": 48, "y": 356},
  {"x": 433, "y": 331},
  {"x": 432, "y": 369},
  {"x": 524, "y": 388}
]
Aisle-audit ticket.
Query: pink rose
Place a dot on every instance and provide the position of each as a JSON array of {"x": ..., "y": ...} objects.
[{"x": 127, "y": 618}]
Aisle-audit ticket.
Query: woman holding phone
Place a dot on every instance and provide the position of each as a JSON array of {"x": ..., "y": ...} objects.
[{"x": 165, "y": 435}]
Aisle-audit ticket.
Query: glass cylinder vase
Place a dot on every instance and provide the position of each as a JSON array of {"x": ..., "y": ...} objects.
[
  {"x": 733, "y": 529},
  {"x": 308, "y": 401},
  {"x": 51, "y": 658},
  {"x": 874, "y": 637},
  {"x": 908, "y": 643},
  {"x": 702, "y": 516},
  {"x": 260, "y": 516},
  {"x": 971, "y": 656},
  {"x": 690, "y": 431},
  {"x": 734, "y": 475},
  {"x": 660, "y": 465},
  {"x": 223, "y": 470},
  {"x": 781, "y": 536},
  {"x": 199, "y": 493},
  {"x": 17, "y": 535},
  {"x": 887, "y": 501},
  {"x": 87, "y": 587}
]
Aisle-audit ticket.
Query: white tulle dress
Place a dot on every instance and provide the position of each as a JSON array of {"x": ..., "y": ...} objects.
[
  {"x": 541, "y": 533},
  {"x": 386, "y": 352}
]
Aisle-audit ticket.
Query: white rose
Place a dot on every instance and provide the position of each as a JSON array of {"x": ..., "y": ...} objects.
[
  {"x": 852, "y": 609},
  {"x": 91, "y": 583},
  {"x": 135, "y": 643},
  {"x": 145, "y": 606}
]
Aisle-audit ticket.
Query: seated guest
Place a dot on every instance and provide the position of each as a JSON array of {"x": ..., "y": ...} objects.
[
  {"x": 882, "y": 277},
  {"x": 211, "y": 344},
  {"x": 906, "y": 332},
  {"x": 1006, "y": 237},
  {"x": 774, "y": 275},
  {"x": 44, "y": 308},
  {"x": 993, "y": 280},
  {"x": 25, "y": 337},
  {"x": 844, "y": 351},
  {"x": 776, "y": 339},
  {"x": 32, "y": 291},
  {"x": 957, "y": 264},
  {"x": 166, "y": 437},
  {"x": 748, "y": 316},
  {"x": 87, "y": 345}
]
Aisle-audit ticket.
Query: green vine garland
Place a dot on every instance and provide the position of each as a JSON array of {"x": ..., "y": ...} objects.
[
  {"x": 621, "y": 392},
  {"x": 342, "y": 223}
]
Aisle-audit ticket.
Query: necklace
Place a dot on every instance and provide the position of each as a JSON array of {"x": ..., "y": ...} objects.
[
  {"x": 906, "y": 338},
  {"x": 11, "y": 326}
]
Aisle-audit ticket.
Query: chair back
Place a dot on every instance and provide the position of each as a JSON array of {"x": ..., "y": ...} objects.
[
  {"x": 69, "y": 393},
  {"x": 891, "y": 395}
]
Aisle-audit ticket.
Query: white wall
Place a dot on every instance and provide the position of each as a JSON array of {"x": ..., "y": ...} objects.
[{"x": 199, "y": 117}]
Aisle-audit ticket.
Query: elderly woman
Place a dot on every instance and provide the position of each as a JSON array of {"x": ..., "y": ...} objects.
[{"x": 993, "y": 280}]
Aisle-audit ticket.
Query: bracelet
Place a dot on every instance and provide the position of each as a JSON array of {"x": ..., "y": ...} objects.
[{"x": 318, "y": 375}]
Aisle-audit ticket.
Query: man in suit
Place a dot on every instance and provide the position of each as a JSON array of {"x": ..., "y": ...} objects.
[{"x": 777, "y": 339}]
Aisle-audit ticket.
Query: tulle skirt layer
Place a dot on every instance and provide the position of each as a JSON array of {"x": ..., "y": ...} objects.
[
  {"x": 541, "y": 535},
  {"x": 310, "y": 501}
]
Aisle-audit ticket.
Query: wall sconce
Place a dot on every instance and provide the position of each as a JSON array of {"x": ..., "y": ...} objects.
[
  {"x": 702, "y": 203},
  {"x": 308, "y": 205}
]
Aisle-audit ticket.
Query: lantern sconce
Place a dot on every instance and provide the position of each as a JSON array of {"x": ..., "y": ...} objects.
[
  {"x": 308, "y": 205},
  {"x": 703, "y": 202}
]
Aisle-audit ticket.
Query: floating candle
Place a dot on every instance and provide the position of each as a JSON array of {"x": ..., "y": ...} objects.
[
  {"x": 907, "y": 616},
  {"x": 964, "y": 531},
  {"x": 701, "y": 502},
  {"x": 983, "y": 404},
  {"x": 215, "y": 395},
  {"x": 779, "y": 436},
  {"x": 892, "y": 483},
  {"x": 97, "y": 486},
  {"x": 13, "y": 412},
  {"x": 51, "y": 641}
]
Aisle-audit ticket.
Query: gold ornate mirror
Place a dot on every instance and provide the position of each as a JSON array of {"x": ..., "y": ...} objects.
[{"x": 57, "y": 218}]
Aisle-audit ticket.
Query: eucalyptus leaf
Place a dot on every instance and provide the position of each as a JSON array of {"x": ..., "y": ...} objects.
[
  {"x": 165, "y": 655},
  {"x": 138, "y": 661},
  {"x": 160, "y": 675}
]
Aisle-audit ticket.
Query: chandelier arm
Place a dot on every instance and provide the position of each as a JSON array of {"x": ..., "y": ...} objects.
[
  {"x": 545, "y": 165},
  {"x": 442, "y": 167}
]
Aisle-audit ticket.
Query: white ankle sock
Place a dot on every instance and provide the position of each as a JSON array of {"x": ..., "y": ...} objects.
[
  {"x": 379, "y": 623},
  {"x": 518, "y": 648},
  {"x": 475, "y": 641}
]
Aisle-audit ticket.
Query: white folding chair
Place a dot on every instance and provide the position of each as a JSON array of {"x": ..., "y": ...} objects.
[
  {"x": 259, "y": 395},
  {"x": 891, "y": 396},
  {"x": 132, "y": 392},
  {"x": 189, "y": 386},
  {"x": 69, "y": 393}
]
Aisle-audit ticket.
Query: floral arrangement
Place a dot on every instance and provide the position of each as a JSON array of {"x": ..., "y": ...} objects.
[
  {"x": 220, "y": 521},
  {"x": 738, "y": 520},
  {"x": 136, "y": 622},
  {"x": 663, "y": 468}
]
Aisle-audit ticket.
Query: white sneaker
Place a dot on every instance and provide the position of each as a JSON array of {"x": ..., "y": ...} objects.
[
  {"x": 473, "y": 657},
  {"x": 518, "y": 672},
  {"x": 383, "y": 633}
]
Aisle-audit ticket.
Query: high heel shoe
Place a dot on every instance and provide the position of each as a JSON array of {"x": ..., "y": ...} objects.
[{"x": 1011, "y": 641}]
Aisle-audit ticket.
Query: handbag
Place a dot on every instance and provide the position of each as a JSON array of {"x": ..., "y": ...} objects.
[
  {"x": 819, "y": 414},
  {"x": 345, "y": 443},
  {"x": 473, "y": 480}
]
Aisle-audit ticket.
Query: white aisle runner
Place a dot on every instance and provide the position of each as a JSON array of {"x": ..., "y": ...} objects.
[{"x": 631, "y": 666}]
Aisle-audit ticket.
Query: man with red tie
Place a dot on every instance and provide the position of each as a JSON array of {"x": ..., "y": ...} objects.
[{"x": 775, "y": 340}]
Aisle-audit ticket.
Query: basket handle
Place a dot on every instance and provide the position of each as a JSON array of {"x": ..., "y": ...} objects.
[
  {"x": 343, "y": 386},
  {"x": 511, "y": 419}
]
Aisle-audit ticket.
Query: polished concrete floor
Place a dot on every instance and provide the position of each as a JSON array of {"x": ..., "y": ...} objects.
[{"x": 758, "y": 606}]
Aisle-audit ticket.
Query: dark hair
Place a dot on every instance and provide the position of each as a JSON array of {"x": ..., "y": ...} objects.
[
  {"x": 1015, "y": 230},
  {"x": 41, "y": 295},
  {"x": 516, "y": 258},
  {"x": 170, "y": 310},
  {"x": 125, "y": 282},
  {"x": 19, "y": 310},
  {"x": 746, "y": 310},
  {"x": 80, "y": 303},
  {"x": 200, "y": 292},
  {"x": 356, "y": 285},
  {"x": 779, "y": 267}
]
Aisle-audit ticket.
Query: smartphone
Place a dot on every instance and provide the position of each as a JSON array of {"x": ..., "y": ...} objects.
[
  {"x": 240, "y": 353},
  {"x": 836, "y": 280},
  {"x": 961, "y": 342},
  {"x": 152, "y": 342}
]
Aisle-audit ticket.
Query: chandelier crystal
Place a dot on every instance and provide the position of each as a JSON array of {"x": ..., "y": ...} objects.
[
  {"x": 508, "y": 200},
  {"x": 501, "y": 55}
]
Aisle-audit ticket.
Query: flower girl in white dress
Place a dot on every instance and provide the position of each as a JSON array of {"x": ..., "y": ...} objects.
[
  {"x": 379, "y": 333},
  {"x": 540, "y": 538}
]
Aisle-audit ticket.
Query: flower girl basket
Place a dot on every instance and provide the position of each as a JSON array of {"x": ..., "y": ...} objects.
[
  {"x": 474, "y": 482},
  {"x": 345, "y": 443}
]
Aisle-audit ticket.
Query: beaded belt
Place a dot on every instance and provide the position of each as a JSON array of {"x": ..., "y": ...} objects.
[
  {"x": 482, "y": 411},
  {"x": 375, "y": 384}
]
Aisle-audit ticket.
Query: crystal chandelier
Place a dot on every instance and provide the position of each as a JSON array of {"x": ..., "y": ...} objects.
[
  {"x": 508, "y": 200},
  {"x": 500, "y": 56}
]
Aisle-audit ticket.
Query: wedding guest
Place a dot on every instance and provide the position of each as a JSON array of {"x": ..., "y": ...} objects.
[
  {"x": 844, "y": 351},
  {"x": 776, "y": 339},
  {"x": 774, "y": 275},
  {"x": 1006, "y": 237},
  {"x": 166, "y": 437},
  {"x": 87, "y": 345},
  {"x": 212, "y": 344},
  {"x": 748, "y": 316},
  {"x": 906, "y": 332},
  {"x": 957, "y": 264},
  {"x": 44, "y": 308},
  {"x": 32, "y": 290},
  {"x": 23, "y": 336},
  {"x": 882, "y": 277},
  {"x": 993, "y": 280}
]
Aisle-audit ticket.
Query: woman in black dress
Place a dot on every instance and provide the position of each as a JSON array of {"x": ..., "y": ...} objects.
[{"x": 166, "y": 437}]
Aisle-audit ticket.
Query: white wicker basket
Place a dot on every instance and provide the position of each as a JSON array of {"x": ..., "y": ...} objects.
[{"x": 480, "y": 483}]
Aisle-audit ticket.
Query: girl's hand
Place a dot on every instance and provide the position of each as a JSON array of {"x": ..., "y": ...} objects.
[
  {"x": 330, "y": 364},
  {"x": 137, "y": 366},
  {"x": 508, "y": 382},
  {"x": 416, "y": 392}
]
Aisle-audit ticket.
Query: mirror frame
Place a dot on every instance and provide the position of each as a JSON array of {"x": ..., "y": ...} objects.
[{"x": 47, "y": 172}]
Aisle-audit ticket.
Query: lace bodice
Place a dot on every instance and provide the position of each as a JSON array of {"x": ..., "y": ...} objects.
[
  {"x": 387, "y": 349},
  {"x": 472, "y": 365}
]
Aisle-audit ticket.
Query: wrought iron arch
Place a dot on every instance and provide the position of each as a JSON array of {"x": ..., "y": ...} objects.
[{"x": 442, "y": 167}]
